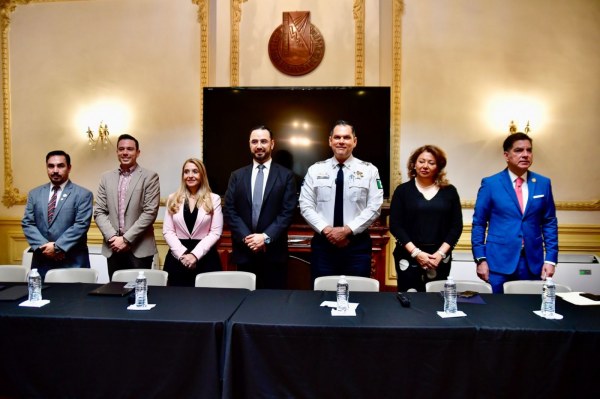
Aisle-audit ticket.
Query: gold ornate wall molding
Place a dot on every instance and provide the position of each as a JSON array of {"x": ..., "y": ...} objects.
[
  {"x": 11, "y": 195},
  {"x": 203, "y": 20},
  {"x": 578, "y": 205},
  {"x": 560, "y": 205},
  {"x": 359, "y": 42},
  {"x": 397, "y": 12},
  {"x": 234, "y": 57}
]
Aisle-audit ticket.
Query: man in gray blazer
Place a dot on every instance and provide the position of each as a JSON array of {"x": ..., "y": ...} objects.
[
  {"x": 126, "y": 208},
  {"x": 57, "y": 218}
]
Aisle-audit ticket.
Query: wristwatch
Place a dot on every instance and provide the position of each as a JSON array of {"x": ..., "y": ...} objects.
[
  {"x": 267, "y": 239},
  {"x": 479, "y": 261}
]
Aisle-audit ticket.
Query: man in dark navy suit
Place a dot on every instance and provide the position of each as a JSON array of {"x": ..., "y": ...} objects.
[{"x": 259, "y": 207}]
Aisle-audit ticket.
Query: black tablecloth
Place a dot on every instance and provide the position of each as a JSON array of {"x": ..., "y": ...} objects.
[
  {"x": 282, "y": 344},
  {"x": 83, "y": 346}
]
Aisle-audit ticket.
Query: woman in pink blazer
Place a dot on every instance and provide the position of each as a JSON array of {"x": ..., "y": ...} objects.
[{"x": 192, "y": 226}]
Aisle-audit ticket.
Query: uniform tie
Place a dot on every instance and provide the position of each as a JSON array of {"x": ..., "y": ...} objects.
[
  {"x": 257, "y": 196},
  {"x": 52, "y": 203},
  {"x": 338, "y": 210}
]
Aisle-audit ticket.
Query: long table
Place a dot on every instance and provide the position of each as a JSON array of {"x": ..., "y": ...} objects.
[
  {"x": 83, "y": 346},
  {"x": 271, "y": 343},
  {"x": 283, "y": 344}
]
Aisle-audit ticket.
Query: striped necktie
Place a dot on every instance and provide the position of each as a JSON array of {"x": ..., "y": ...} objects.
[{"x": 52, "y": 203}]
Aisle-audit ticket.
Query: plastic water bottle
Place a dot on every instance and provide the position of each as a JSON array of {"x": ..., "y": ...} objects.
[
  {"x": 35, "y": 286},
  {"x": 141, "y": 290},
  {"x": 343, "y": 294},
  {"x": 548, "y": 298},
  {"x": 450, "y": 296}
]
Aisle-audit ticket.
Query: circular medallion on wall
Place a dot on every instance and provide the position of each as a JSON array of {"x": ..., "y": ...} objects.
[{"x": 296, "y": 47}]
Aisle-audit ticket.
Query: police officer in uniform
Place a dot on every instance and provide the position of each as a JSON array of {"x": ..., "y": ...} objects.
[{"x": 340, "y": 198}]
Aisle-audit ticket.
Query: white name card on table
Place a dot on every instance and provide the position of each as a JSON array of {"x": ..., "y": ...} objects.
[
  {"x": 35, "y": 304},
  {"x": 553, "y": 316},
  {"x": 147, "y": 307},
  {"x": 458, "y": 313},
  {"x": 334, "y": 312}
]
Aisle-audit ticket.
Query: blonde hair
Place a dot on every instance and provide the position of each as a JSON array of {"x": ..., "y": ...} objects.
[{"x": 204, "y": 199}]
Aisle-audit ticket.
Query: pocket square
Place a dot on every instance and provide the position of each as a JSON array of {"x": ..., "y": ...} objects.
[{"x": 538, "y": 196}]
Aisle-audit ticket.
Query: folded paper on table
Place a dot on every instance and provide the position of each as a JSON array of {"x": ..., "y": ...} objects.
[
  {"x": 334, "y": 312},
  {"x": 351, "y": 311},
  {"x": 147, "y": 307},
  {"x": 458, "y": 313},
  {"x": 576, "y": 299},
  {"x": 553, "y": 316},
  {"x": 333, "y": 304},
  {"x": 35, "y": 304}
]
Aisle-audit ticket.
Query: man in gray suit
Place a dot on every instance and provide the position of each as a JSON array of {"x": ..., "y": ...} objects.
[
  {"x": 126, "y": 208},
  {"x": 57, "y": 218}
]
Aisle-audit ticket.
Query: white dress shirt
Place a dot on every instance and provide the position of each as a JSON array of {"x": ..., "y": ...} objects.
[{"x": 363, "y": 194}]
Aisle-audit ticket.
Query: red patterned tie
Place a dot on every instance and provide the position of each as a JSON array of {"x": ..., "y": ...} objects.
[
  {"x": 519, "y": 190},
  {"x": 52, "y": 203}
]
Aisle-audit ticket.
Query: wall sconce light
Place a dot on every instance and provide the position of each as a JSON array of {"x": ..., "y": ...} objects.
[
  {"x": 102, "y": 137},
  {"x": 512, "y": 128}
]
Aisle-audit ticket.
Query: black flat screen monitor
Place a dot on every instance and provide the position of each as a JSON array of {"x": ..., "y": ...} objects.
[{"x": 300, "y": 119}]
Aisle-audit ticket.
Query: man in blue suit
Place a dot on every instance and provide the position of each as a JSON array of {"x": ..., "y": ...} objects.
[
  {"x": 517, "y": 208},
  {"x": 259, "y": 207},
  {"x": 57, "y": 218}
]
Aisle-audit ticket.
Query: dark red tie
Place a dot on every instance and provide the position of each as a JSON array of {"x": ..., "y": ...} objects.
[
  {"x": 52, "y": 203},
  {"x": 519, "y": 190}
]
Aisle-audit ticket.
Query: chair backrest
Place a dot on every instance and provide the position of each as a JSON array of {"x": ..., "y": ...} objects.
[
  {"x": 461, "y": 285},
  {"x": 12, "y": 273},
  {"x": 99, "y": 263},
  {"x": 355, "y": 283},
  {"x": 530, "y": 287},
  {"x": 27, "y": 258},
  {"x": 153, "y": 277},
  {"x": 71, "y": 275},
  {"x": 227, "y": 279}
]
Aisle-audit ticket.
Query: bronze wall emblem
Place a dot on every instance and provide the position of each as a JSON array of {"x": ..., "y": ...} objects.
[{"x": 296, "y": 47}]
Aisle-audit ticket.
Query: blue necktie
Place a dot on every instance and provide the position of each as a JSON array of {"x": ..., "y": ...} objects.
[
  {"x": 338, "y": 210},
  {"x": 257, "y": 196}
]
